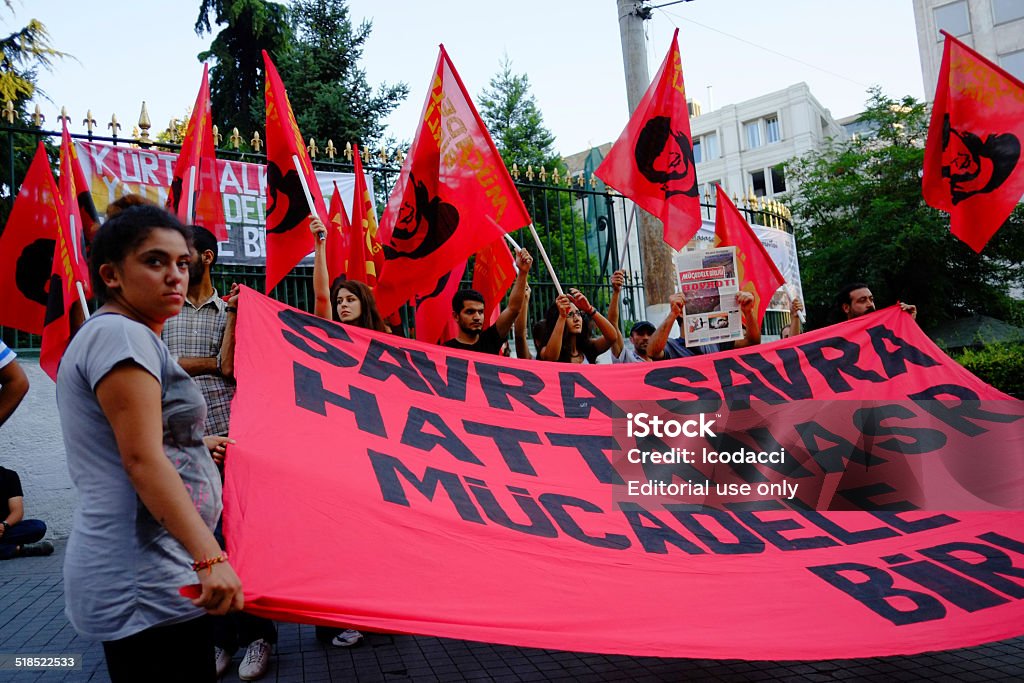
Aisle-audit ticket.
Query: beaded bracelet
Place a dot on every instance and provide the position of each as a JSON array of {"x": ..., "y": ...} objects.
[{"x": 208, "y": 563}]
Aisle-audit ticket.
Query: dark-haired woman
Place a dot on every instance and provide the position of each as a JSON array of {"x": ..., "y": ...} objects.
[
  {"x": 149, "y": 494},
  {"x": 569, "y": 329},
  {"x": 350, "y": 302}
]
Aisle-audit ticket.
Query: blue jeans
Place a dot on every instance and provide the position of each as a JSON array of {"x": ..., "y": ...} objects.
[{"x": 25, "y": 531}]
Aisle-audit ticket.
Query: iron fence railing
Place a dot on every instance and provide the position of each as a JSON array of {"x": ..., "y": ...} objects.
[{"x": 580, "y": 224}]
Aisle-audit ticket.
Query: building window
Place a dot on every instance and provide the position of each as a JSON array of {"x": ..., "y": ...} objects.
[
  {"x": 757, "y": 182},
  {"x": 1007, "y": 10},
  {"x": 771, "y": 129},
  {"x": 705, "y": 148},
  {"x": 953, "y": 18},
  {"x": 1014, "y": 63},
  {"x": 752, "y": 131},
  {"x": 778, "y": 173}
]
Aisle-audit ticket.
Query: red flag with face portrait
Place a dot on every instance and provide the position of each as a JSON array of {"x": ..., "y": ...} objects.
[
  {"x": 365, "y": 228},
  {"x": 435, "y": 323},
  {"x": 195, "y": 181},
  {"x": 972, "y": 161},
  {"x": 339, "y": 234},
  {"x": 494, "y": 271},
  {"x": 757, "y": 273},
  {"x": 288, "y": 237},
  {"x": 652, "y": 161},
  {"x": 26, "y": 248},
  {"x": 89, "y": 217},
  {"x": 453, "y": 197}
]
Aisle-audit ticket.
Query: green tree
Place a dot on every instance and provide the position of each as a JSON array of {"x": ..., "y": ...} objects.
[
  {"x": 516, "y": 124},
  {"x": 236, "y": 75},
  {"x": 859, "y": 216},
  {"x": 326, "y": 86},
  {"x": 22, "y": 54}
]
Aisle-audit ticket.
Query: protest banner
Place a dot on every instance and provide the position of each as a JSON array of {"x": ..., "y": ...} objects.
[
  {"x": 400, "y": 486},
  {"x": 114, "y": 170},
  {"x": 708, "y": 278}
]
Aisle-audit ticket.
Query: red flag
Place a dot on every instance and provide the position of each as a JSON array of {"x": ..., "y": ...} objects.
[
  {"x": 454, "y": 195},
  {"x": 434, "y": 321},
  {"x": 757, "y": 272},
  {"x": 288, "y": 235},
  {"x": 494, "y": 271},
  {"x": 972, "y": 161},
  {"x": 198, "y": 158},
  {"x": 70, "y": 210},
  {"x": 364, "y": 220},
  {"x": 67, "y": 274},
  {"x": 26, "y": 248},
  {"x": 338, "y": 239},
  {"x": 89, "y": 217},
  {"x": 652, "y": 161}
]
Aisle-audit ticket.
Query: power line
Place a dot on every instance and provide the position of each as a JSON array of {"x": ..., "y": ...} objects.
[{"x": 760, "y": 47}]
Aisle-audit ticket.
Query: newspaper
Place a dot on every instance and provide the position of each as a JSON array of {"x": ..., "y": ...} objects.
[{"x": 708, "y": 280}]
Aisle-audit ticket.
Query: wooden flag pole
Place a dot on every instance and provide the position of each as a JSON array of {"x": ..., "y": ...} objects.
[
  {"x": 547, "y": 261},
  {"x": 305, "y": 189},
  {"x": 78, "y": 283}
]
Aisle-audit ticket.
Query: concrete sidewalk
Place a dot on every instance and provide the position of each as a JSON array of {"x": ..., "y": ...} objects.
[{"x": 32, "y": 622}]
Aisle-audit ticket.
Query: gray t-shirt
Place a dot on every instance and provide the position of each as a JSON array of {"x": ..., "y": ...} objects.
[{"x": 123, "y": 569}]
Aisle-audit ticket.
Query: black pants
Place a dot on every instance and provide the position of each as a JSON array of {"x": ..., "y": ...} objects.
[
  {"x": 239, "y": 629},
  {"x": 164, "y": 654}
]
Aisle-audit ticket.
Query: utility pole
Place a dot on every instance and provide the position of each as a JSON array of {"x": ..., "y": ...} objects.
[{"x": 659, "y": 268}]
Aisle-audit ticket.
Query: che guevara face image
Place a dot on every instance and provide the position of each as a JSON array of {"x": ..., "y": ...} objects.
[
  {"x": 974, "y": 166},
  {"x": 424, "y": 224},
  {"x": 665, "y": 156}
]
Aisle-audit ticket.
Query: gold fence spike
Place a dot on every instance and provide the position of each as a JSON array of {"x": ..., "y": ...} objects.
[
  {"x": 172, "y": 129},
  {"x": 312, "y": 148},
  {"x": 37, "y": 118},
  {"x": 555, "y": 178},
  {"x": 256, "y": 143},
  {"x": 235, "y": 139},
  {"x": 543, "y": 174},
  {"x": 144, "y": 123},
  {"x": 64, "y": 115},
  {"x": 365, "y": 153},
  {"x": 400, "y": 157},
  {"x": 330, "y": 149},
  {"x": 8, "y": 112},
  {"x": 89, "y": 122},
  {"x": 217, "y": 137},
  {"x": 580, "y": 180},
  {"x": 348, "y": 151},
  {"x": 383, "y": 155},
  {"x": 515, "y": 171},
  {"x": 114, "y": 126},
  {"x": 529, "y": 172},
  {"x": 135, "y": 132}
]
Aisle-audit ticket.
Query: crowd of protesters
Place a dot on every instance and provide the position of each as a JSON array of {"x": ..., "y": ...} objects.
[{"x": 144, "y": 391}]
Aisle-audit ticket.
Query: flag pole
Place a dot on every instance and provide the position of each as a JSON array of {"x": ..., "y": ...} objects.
[
  {"x": 78, "y": 283},
  {"x": 305, "y": 189},
  {"x": 191, "y": 205},
  {"x": 625, "y": 242},
  {"x": 547, "y": 261},
  {"x": 512, "y": 241}
]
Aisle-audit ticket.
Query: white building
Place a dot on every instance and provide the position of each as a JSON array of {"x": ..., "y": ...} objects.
[
  {"x": 995, "y": 28},
  {"x": 743, "y": 146}
]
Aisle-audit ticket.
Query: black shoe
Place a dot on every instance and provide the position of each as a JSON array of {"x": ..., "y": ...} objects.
[{"x": 37, "y": 549}]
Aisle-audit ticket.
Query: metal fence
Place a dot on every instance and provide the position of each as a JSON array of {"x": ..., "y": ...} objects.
[{"x": 580, "y": 222}]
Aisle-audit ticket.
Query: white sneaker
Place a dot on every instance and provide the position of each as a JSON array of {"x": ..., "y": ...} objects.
[
  {"x": 347, "y": 638},
  {"x": 223, "y": 659},
  {"x": 257, "y": 659}
]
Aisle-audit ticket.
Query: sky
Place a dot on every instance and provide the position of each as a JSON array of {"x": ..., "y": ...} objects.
[{"x": 732, "y": 50}]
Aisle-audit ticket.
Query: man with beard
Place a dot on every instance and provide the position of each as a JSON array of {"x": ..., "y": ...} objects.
[
  {"x": 469, "y": 309},
  {"x": 856, "y": 299},
  {"x": 202, "y": 339}
]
